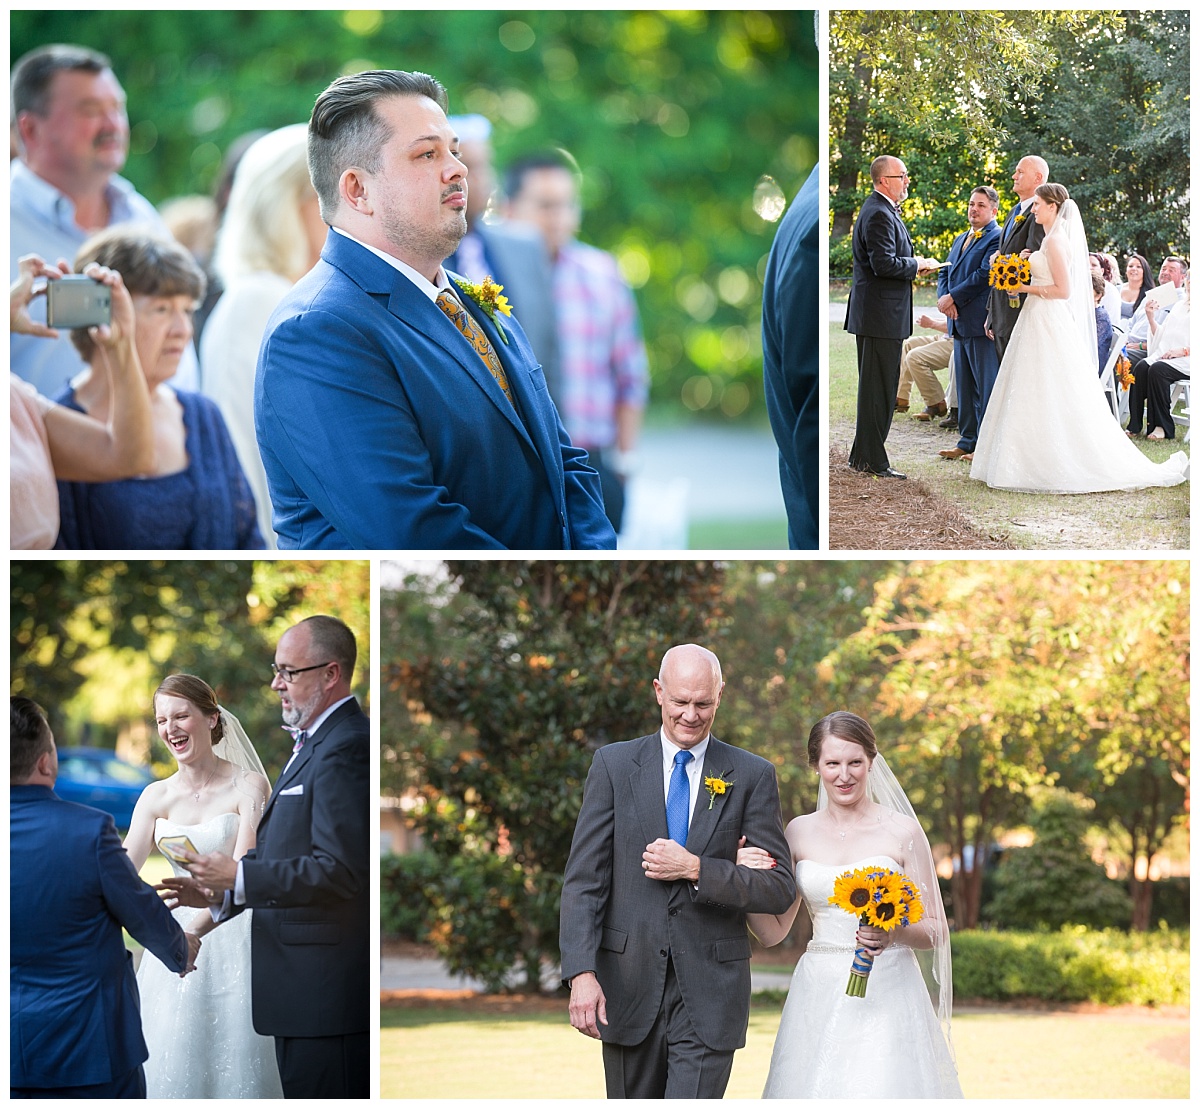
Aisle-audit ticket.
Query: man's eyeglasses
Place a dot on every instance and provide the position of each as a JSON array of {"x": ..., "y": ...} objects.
[
  {"x": 288, "y": 673},
  {"x": 896, "y": 175}
]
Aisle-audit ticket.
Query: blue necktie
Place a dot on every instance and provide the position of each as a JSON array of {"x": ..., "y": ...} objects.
[{"x": 677, "y": 799}]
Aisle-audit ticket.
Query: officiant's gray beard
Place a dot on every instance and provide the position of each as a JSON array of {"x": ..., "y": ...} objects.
[{"x": 301, "y": 712}]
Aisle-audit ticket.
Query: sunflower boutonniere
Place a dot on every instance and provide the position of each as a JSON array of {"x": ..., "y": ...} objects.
[
  {"x": 1020, "y": 219},
  {"x": 716, "y": 788},
  {"x": 976, "y": 233},
  {"x": 487, "y": 295}
]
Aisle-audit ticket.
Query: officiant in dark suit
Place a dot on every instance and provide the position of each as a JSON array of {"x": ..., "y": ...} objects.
[
  {"x": 963, "y": 299},
  {"x": 652, "y": 930},
  {"x": 1020, "y": 232},
  {"x": 308, "y": 876},
  {"x": 880, "y": 310}
]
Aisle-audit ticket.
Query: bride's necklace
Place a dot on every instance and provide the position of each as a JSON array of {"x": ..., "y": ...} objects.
[
  {"x": 849, "y": 827},
  {"x": 200, "y": 790}
]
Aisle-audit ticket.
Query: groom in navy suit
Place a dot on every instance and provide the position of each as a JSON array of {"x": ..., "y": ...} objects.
[
  {"x": 75, "y": 1021},
  {"x": 394, "y": 408},
  {"x": 963, "y": 299}
]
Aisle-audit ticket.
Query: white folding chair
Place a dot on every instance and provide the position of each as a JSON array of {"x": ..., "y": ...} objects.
[
  {"x": 1118, "y": 398},
  {"x": 1182, "y": 390}
]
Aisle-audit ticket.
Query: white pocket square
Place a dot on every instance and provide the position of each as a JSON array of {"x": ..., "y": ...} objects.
[{"x": 293, "y": 791}]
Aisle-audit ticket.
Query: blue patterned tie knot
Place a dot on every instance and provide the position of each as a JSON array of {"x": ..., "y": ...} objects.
[{"x": 677, "y": 799}]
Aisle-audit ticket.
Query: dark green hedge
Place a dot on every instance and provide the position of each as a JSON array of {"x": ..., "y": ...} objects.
[{"x": 1109, "y": 967}]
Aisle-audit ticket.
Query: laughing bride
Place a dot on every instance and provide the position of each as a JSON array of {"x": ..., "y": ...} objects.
[{"x": 198, "y": 1029}]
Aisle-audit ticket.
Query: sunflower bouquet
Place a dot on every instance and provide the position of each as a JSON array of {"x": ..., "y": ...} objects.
[
  {"x": 1008, "y": 273},
  {"x": 880, "y": 898}
]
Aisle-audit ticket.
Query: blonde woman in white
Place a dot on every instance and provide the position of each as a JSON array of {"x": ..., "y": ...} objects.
[{"x": 271, "y": 236}]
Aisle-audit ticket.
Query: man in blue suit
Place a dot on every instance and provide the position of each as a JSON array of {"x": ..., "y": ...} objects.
[
  {"x": 791, "y": 355},
  {"x": 75, "y": 1024},
  {"x": 395, "y": 407},
  {"x": 963, "y": 298}
]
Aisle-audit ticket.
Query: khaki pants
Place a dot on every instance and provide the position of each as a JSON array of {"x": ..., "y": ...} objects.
[{"x": 921, "y": 356}]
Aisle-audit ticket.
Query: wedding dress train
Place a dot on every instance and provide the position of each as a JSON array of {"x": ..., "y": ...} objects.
[
  {"x": 885, "y": 1045},
  {"x": 198, "y": 1029},
  {"x": 1048, "y": 427}
]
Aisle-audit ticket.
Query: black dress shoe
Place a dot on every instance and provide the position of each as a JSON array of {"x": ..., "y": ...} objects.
[
  {"x": 889, "y": 472},
  {"x": 951, "y": 420}
]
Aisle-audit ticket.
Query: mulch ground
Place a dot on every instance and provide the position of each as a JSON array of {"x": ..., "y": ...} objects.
[{"x": 868, "y": 513}]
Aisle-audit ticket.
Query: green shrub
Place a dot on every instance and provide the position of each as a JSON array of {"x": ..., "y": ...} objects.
[
  {"x": 1109, "y": 967},
  {"x": 403, "y": 903}
]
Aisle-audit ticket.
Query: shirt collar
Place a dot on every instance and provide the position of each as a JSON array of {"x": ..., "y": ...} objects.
[
  {"x": 45, "y": 198},
  {"x": 669, "y": 749},
  {"x": 311, "y": 730},
  {"x": 441, "y": 284}
]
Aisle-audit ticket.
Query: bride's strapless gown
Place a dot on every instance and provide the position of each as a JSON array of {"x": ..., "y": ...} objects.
[
  {"x": 885, "y": 1045},
  {"x": 198, "y": 1029},
  {"x": 1048, "y": 427}
]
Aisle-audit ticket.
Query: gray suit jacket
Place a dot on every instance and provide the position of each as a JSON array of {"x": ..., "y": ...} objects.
[
  {"x": 524, "y": 268},
  {"x": 620, "y": 924}
]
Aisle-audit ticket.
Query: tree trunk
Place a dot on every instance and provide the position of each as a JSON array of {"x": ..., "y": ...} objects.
[
  {"x": 1143, "y": 903},
  {"x": 851, "y": 148}
]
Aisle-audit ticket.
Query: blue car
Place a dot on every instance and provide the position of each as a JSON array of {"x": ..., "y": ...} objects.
[{"x": 94, "y": 776}]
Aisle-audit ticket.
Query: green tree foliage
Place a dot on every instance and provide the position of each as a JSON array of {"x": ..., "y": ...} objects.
[
  {"x": 1114, "y": 111},
  {"x": 989, "y": 679},
  {"x": 961, "y": 96},
  {"x": 673, "y": 117},
  {"x": 1054, "y": 881},
  {"x": 91, "y": 640},
  {"x": 501, "y": 682}
]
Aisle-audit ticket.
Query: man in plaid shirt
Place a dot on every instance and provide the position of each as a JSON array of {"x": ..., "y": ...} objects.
[{"x": 603, "y": 371}]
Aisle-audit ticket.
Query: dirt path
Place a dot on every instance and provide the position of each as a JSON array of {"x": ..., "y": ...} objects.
[{"x": 940, "y": 508}]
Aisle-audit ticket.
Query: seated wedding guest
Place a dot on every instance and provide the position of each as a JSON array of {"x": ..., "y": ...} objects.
[
  {"x": 271, "y": 237},
  {"x": 1137, "y": 284},
  {"x": 69, "y": 111},
  {"x": 1167, "y": 361},
  {"x": 1104, "y": 327},
  {"x": 48, "y": 441},
  {"x": 1112, "y": 294},
  {"x": 195, "y": 496},
  {"x": 920, "y": 357}
]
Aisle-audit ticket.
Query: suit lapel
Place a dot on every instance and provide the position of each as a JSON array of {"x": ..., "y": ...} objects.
[
  {"x": 717, "y": 764},
  {"x": 646, "y": 782}
]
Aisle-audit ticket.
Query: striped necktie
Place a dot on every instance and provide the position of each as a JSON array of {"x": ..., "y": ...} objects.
[{"x": 474, "y": 335}]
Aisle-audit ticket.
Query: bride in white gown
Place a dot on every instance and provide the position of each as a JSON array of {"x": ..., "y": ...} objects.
[
  {"x": 198, "y": 1029},
  {"x": 894, "y": 1042},
  {"x": 1048, "y": 426}
]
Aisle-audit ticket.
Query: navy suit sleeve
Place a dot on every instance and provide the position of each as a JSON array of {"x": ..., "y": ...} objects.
[
  {"x": 381, "y": 494},
  {"x": 134, "y": 904},
  {"x": 326, "y": 859}
]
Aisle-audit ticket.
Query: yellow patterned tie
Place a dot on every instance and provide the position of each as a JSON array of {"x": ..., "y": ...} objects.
[{"x": 475, "y": 336}]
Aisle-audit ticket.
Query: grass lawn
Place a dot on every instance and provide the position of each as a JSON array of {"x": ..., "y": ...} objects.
[
  {"x": 445, "y": 1052},
  {"x": 738, "y": 535},
  {"x": 1145, "y": 519}
]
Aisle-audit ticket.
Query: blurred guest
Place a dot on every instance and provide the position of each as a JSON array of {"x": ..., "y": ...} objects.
[
  {"x": 1104, "y": 327},
  {"x": 1137, "y": 284},
  {"x": 790, "y": 361},
  {"x": 1112, "y": 294},
  {"x": 69, "y": 111},
  {"x": 920, "y": 358},
  {"x": 513, "y": 255},
  {"x": 220, "y": 201},
  {"x": 603, "y": 375},
  {"x": 192, "y": 222},
  {"x": 271, "y": 237},
  {"x": 48, "y": 441},
  {"x": 195, "y": 496}
]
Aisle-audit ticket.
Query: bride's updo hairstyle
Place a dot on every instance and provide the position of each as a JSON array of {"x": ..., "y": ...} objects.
[
  {"x": 200, "y": 693},
  {"x": 1054, "y": 193},
  {"x": 843, "y": 725}
]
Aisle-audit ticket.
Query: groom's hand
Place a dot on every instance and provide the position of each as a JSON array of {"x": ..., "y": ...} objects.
[
  {"x": 216, "y": 872},
  {"x": 587, "y": 1004},
  {"x": 667, "y": 861}
]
